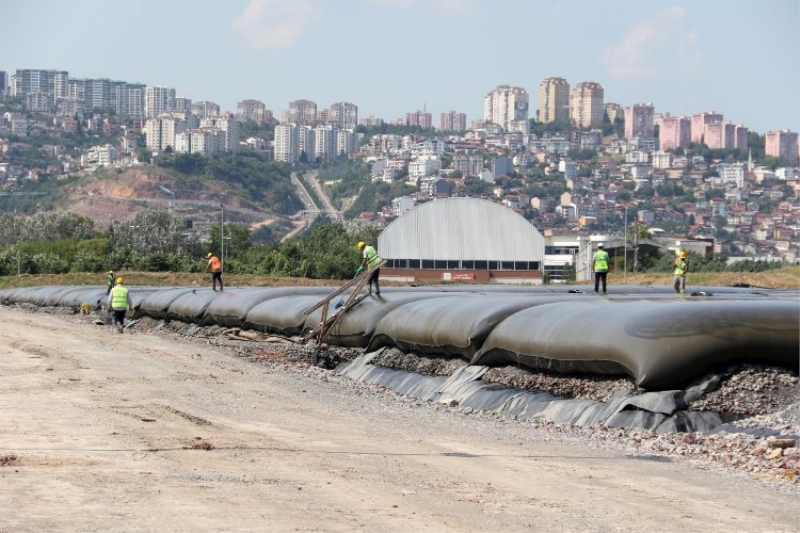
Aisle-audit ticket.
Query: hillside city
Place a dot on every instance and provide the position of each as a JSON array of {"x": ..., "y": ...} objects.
[{"x": 577, "y": 166}]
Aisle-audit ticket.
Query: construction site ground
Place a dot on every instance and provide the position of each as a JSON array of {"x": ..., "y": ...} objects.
[{"x": 158, "y": 432}]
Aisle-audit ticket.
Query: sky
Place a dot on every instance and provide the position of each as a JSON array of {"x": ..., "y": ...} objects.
[{"x": 740, "y": 58}]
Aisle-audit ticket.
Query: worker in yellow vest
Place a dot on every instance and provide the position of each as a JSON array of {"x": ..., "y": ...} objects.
[
  {"x": 679, "y": 274},
  {"x": 369, "y": 259},
  {"x": 110, "y": 281},
  {"x": 119, "y": 301},
  {"x": 600, "y": 262}
]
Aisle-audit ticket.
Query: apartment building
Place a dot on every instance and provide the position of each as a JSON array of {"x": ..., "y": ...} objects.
[
  {"x": 553, "y": 100},
  {"x": 420, "y": 119},
  {"x": 158, "y": 100},
  {"x": 3, "y": 83},
  {"x": 674, "y": 132},
  {"x": 614, "y": 111},
  {"x": 228, "y": 124},
  {"x": 254, "y": 110},
  {"x": 49, "y": 82},
  {"x": 506, "y": 107},
  {"x": 586, "y": 105},
  {"x": 783, "y": 144},
  {"x": 205, "y": 109},
  {"x": 183, "y": 104},
  {"x": 203, "y": 141},
  {"x": 302, "y": 113},
  {"x": 699, "y": 123},
  {"x": 640, "y": 121},
  {"x": 346, "y": 142},
  {"x": 286, "y": 148},
  {"x": 453, "y": 121},
  {"x": 343, "y": 115}
]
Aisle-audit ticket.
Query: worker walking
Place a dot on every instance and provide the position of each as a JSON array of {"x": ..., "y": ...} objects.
[
  {"x": 110, "y": 281},
  {"x": 215, "y": 267},
  {"x": 369, "y": 259},
  {"x": 119, "y": 301},
  {"x": 679, "y": 274},
  {"x": 600, "y": 262}
]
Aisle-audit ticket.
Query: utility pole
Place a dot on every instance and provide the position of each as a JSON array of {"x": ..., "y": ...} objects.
[
  {"x": 625, "y": 260},
  {"x": 222, "y": 240}
]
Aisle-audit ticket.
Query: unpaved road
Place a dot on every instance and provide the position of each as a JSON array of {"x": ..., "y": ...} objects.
[{"x": 106, "y": 432}]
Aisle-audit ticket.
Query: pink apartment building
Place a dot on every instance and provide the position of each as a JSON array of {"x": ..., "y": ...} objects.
[
  {"x": 674, "y": 132},
  {"x": 783, "y": 145}
]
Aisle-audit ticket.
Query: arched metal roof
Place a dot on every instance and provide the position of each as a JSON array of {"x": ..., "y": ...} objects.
[{"x": 461, "y": 228}]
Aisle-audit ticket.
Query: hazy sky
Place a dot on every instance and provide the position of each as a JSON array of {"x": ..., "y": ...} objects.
[{"x": 740, "y": 58}]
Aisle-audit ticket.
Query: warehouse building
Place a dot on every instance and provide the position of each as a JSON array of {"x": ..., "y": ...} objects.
[{"x": 468, "y": 239}]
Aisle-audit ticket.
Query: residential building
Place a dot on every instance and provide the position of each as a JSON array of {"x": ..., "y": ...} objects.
[
  {"x": 699, "y": 123},
  {"x": 251, "y": 110},
  {"x": 420, "y": 119},
  {"x": 49, "y": 82},
  {"x": 302, "y": 112},
  {"x": 346, "y": 142},
  {"x": 204, "y": 141},
  {"x": 324, "y": 144},
  {"x": 674, "y": 132},
  {"x": 158, "y": 100},
  {"x": 640, "y": 121},
  {"x": 553, "y": 100},
  {"x": 782, "y": 144},
  {"x": 586, "y": 105},
  {"x": 731, "y": 173},
  {"x": 205, "y": 109},
  {"x": 229, "y": 125},
  {"x": 286, "y": 143},
  {"x": 3, "y": 83},
  {"x": 343, "y": 115},
  {"x": 183, "y": 104},
  {"x": 613, "y": 111},
  {"x": 453, "y": 121},
  {"x": 506, "y": 106}
]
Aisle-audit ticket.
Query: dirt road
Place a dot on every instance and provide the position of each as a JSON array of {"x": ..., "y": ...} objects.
[{"x": 106, "y": 432}]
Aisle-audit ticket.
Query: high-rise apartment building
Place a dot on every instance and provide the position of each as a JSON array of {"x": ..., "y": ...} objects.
[
  {"x": 586, "y": 105},
  {"x": 553, "y": 100},
  {"x": 50, "y": 82},
  {"x": 699, "y": 123},
  {"x": 343, "y": 115},
  {"x": 640, "y": 121},
  {"x": 205, "y": 109},
  {"x": 158, "y": 100},
  {"x": 302, "y": 112},
  {"x": 229, "y": 125},
  {"x": 506, "y": 106},
  {"x": 324, "y": 143},
  {"x": 250, "y": 110},
  {"x": 420, "y": 119},
  {"x": 674, "y": 132},
  {"x": 453, "y": 121},
  {"x": 286, "y": 143},
  {"x": 3, "y": 83},
  {"x": 613, "y": 111},
  {"x": 346, "y": 142},
  {"x": 183, "y": 104},
  {"x": 782, "y": 144}
]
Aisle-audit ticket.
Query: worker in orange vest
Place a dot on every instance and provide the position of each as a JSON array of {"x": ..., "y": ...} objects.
[{"x": 215, "y": 267}]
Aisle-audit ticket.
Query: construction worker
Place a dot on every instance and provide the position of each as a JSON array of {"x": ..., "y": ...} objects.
[
  {"x": 119, "y": 301},
  {"x": 679, "y": 274},
  {"x": 110, "y": 281},
  {"x": 600, "y": 261},
  {"x": 369, "y": 259},
  {"x": 215, "y": 267}
]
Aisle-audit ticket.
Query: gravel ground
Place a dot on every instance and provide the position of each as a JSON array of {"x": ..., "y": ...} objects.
[{"x": 762, "y": 400}]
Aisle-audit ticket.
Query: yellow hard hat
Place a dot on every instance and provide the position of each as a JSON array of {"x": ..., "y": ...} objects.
[
  {"x": 682, "y": 255},
  {"x": 361, "y": 244},
  {"x": 209, "y": 254},
  {"x": 120, "y": 281},
  {"x": 110, "y": 271}
]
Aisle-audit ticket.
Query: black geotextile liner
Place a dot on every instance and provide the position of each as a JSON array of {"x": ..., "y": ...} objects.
[
  {"x": 662, "y": 344},
  {"x": 661, "y": 339},
  {"x": 661, "y": 412}
]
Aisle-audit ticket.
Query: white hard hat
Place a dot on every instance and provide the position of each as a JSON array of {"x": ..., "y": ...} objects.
[{"x": 600, "y": 245}]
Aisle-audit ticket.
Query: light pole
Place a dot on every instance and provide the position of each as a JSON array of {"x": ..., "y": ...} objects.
[
  {"x": 625, "y": 260},
  {"x": 222, "y": 239}
]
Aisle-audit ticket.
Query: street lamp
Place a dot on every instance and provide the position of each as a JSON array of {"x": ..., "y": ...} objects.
[
  {"x": 625, "y": 260},
  {"x": 222, "y": 240}
]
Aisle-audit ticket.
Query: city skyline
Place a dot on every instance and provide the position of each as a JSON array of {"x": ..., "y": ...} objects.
[{"x": 392, "y": 57}]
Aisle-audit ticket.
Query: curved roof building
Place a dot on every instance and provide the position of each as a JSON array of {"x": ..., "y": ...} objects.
[{"x": 462, "y": 238}]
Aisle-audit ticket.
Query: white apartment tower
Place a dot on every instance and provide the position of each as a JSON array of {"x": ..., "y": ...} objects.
[
  {"x": 506, "y": 106},
  {"x": 286, "y": 143},
  {"x": 228, "y": 124},
  {"x": 302, "y": 112},
  {"x": 553, "y": 100},
  {"x": 587, "y": 106},
  {"x": 205, "y": 109},
  {"x": 158, "y": 100},
  {"x": 324, "y": 143}
]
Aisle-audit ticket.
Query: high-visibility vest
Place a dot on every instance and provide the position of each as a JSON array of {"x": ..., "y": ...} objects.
[
  {"x": 600, "y": 261},
  {"x": 214, "y": 263},
  {"x": 372, "y": 256},
  {"x": 110, "y": 280},
  {"x": 119, "y": 297},
  {"x": 681, "y": 266}
]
